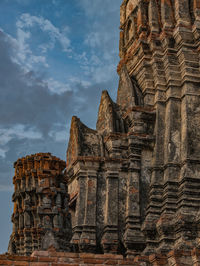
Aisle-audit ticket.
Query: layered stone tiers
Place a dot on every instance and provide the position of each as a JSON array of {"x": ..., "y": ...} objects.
[{"x": 40, "y": 217}]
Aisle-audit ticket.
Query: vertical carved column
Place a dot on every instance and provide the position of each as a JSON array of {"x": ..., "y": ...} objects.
[
  {"x": 153, "y": 210},
  {"x": 88, "y": 237},
  {"x": 27, "y": 241},
  {"x": 188, "y": 202},
  {"x": 34, "y": 239},
  {"x": 172, "y": 146},
  {"x": 167, "y": 17},
  {"x": 21, "y": 234},
  {"x": 156, "y": 188},
  {"x": 133, "y": 237},
  {"x": 142, "y": 20},
  {"x": 182, "y": 12},
  {"x": 110, "y": 236},
  {"x": 80, "y": 208},
  {"x": 196, "y": 25},
  {"x": 154, "y": 17}
]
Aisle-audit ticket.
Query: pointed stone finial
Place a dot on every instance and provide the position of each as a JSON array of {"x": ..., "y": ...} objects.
[
  {"x": 129, "y": 94},
  {"x": 106, "y": 115}
]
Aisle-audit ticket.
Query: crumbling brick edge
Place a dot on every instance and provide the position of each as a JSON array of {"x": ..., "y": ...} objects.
[{"x": 51, "y": 258}]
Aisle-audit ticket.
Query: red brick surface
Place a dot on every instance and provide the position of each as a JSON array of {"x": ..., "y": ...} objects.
[{"x": 53, "y": 258}]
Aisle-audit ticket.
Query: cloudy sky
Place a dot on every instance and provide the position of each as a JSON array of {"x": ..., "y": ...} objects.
[{"x": 56, "y": 56}]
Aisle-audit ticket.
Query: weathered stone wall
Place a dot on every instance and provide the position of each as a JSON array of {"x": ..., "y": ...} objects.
[
  {"x": 159, "y": 45},
  {"x": 108, "y": 192}
]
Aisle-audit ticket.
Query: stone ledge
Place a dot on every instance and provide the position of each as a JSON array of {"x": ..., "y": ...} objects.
[{"x": 53, "y": 258}]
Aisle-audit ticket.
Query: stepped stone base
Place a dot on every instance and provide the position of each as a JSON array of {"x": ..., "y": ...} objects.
[{"x": 53, "y": 258}]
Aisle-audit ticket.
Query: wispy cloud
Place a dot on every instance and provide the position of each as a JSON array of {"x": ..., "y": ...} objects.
[
  {"x": 57, "y": 87},
  {"x": 28, "y": 21},
  {"x": 3, "y": 152},
  {"x": 20, "y": 131},
  {"x": 26, "y": 27}
]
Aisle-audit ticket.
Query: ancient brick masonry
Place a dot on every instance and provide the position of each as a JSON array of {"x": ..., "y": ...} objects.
[
  {"x": 159, "y": 45},
  {"x": 103, "y": 169},
  {"x": 40, "y": 218},
  {"x": 146, "y": 145},
  {"x": 133, "y": 184},
  {"x": 53, "y": 258}
]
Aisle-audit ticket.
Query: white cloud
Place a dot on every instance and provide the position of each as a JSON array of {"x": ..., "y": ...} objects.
[
  {"x": 57, "y": 87},
  {"x": 93, "y": 39},
  {"x": 81, "y": 82},
  {"x": 3, "y": 152},
  {"x": 73, "y": 84},
  {"x": 18, "y": 131},
  {"x": 25, "y": 55},
  {"x": 28, "y": 21}
]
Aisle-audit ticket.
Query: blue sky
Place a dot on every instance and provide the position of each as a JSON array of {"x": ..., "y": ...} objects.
[{"x": 56, "y": 56}]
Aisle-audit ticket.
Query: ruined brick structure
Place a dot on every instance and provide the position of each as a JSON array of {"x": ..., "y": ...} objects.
[
  {"x": 134, "y": 183},
  {"x": 40, "y": 217}
]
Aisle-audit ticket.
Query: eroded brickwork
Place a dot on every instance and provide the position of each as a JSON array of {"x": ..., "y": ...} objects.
[
  {"x": 159, "y": 44},
  {"x": 40, "y": 217},
  {"x": 53, "y": 258}
]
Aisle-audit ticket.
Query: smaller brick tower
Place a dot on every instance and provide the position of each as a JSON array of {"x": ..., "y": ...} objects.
[{"x": 40, "y": 217}]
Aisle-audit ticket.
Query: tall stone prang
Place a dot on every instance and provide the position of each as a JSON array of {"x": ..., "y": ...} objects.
[
  {"x": 40, "y": 217},
  {"x": 159, "y": 46},
  {"x": 134, "y": 182}
]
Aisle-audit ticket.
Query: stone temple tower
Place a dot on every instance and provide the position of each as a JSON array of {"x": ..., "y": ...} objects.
[
  {"x": 134, "y": 182},
  {"x": 159, "y": 47},
  {"x": 40, "y": 218}
]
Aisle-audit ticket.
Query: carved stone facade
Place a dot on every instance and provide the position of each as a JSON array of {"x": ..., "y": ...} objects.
[
  {"x": 41, "y": 217},
  {"x": 134, "y": 182},
  {"x": 107, "y": 184},
  {"x": 162, "y": 54}
]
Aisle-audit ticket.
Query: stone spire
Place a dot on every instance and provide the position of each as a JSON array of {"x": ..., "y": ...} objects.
[{"x": 163, "y": 56}]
